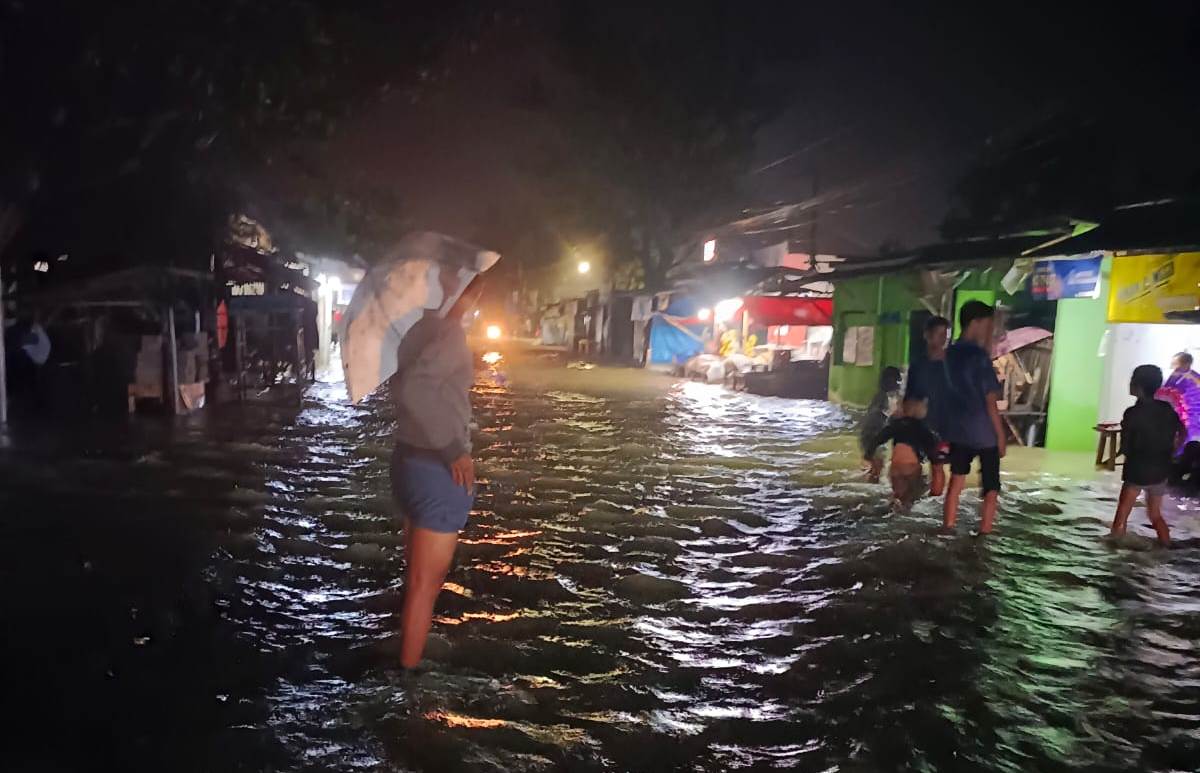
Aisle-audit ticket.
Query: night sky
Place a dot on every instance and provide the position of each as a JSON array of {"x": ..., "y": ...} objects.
[
  {"x": 877, "y": 110},
  {"x": 888, "y": 104}
]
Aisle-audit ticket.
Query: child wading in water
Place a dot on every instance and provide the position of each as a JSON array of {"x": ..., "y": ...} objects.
[
  {"x": 877, "y": 415},
  {"x": 973, "y": 423},
  {"x": 1150, "y": 433},
  {"x": 912, "y": 442}
]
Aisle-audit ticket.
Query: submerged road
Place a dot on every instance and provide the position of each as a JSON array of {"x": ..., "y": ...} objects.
[{"x": 658, "y": 577}]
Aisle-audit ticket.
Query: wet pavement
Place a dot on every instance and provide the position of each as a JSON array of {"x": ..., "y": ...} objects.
[{"x": 658, "y": 577}]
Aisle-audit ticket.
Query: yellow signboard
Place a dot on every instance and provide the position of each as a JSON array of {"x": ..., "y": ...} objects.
[{"x": 1147, "y": 288}]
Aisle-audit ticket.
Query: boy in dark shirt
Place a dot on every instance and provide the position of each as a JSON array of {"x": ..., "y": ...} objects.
[
  {"x": 973, "y": 424},
  {"x": 927, "y": 381},
  {"x": 1150, "y": 433},
  {"x": 912, "y": 443}
]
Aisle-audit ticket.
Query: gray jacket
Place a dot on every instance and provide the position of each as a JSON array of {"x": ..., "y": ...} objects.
[{"x": 432, "y": 389}]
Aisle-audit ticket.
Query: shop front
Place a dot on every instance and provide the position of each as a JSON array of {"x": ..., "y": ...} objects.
[
  {"x": 1145, "y": 311},
  {"x": 1153, "y": 313},
  {"x": 879, "y": 321}
]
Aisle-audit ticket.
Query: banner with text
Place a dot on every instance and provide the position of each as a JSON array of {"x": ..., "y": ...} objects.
[
  {"x": 1149, "y": 288},
  {"x": 1054, "y": 280}
]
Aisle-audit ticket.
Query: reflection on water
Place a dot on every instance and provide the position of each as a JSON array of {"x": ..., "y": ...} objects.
[{"x": 694, "y": 580}]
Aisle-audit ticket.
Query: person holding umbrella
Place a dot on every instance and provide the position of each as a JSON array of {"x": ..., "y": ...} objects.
[
  {"x": 404, "y": 327},
  {"x": 432, "y": 472}
]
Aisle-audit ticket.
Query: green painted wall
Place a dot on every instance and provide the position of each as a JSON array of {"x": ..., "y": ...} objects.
[
  {"x": 885, "y": 302},
  {"x": 982, "y": 283},
  {"x": 1077, "y": 370},
  {"x": 888, "y": 302}
]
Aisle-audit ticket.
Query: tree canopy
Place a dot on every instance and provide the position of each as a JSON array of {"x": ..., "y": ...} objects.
[{"x": 135, "y": 123}]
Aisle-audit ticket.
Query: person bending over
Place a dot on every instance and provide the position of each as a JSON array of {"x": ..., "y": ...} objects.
[
  {"x": 912, "y": 442},
  {"x": 879, "y": 410}
]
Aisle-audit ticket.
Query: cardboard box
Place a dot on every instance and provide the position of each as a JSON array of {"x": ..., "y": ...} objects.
[
  {"x": 187, "y": 366},
  {"x": 148, "y": 368}
]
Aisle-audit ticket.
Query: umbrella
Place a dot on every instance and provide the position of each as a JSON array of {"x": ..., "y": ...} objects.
[
  {"x": 1018, "y": 339},
  {"x": 395, "y": 294}
]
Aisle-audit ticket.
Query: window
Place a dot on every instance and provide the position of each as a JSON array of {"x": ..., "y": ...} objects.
[{"x": 858, "y": 345}]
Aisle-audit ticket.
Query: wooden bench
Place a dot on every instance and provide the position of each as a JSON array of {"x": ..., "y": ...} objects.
[{"x": 1110, "y": 436}]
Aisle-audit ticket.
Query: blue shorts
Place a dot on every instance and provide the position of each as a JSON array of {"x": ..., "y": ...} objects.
[{"x": 427, "y": 495}]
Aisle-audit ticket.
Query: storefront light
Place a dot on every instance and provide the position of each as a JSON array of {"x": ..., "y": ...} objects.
[{"x": 727, "y": 309}]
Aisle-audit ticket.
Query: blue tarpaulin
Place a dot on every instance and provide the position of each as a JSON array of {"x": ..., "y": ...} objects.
[{"x": 672, "y": 342}]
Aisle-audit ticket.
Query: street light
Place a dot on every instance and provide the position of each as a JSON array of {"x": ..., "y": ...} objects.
[{"x": 584, "y": 266}]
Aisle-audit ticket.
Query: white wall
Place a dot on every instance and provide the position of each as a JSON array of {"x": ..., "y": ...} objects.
[{"x": 1128, "y": 345}]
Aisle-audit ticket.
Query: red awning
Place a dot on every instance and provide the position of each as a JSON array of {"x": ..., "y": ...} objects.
[{"x": 771, "y": 310}]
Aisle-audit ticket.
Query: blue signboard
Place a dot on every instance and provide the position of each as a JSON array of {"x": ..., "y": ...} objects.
[{"x": 1054, "y": 280}]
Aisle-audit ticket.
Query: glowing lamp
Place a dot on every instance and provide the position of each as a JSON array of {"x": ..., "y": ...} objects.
[
  {"x": 493, "y": 332},
  {"x": 726, "y": 310},
  {"x": 703, "y": 314}
]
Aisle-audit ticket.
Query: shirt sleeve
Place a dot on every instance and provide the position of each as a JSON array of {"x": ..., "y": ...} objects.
[
  {"x": 1128, "y": 431},
  {"x": 988, "y": 383}
]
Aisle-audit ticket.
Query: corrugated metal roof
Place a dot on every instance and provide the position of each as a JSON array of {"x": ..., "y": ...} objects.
[{"x": 1157, "y": 226}]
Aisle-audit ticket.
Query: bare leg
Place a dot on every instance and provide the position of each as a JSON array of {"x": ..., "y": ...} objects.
[
  {"x": 429, "y": 557},
  {"x": 1154, "y": 511},
  {"x": 950, "y": 504},
  {"x": 937, "y": 479},
  {"x": 988, "y": 511},
  {"x": 898, "y": 491},
  {"x": 1124, "y": 507}
]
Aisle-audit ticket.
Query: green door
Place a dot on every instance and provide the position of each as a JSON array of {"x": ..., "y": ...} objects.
[{"x": 893, "y": 345}]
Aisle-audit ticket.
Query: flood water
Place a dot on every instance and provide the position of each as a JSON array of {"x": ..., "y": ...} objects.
[{"x": 657, "y": 577}]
